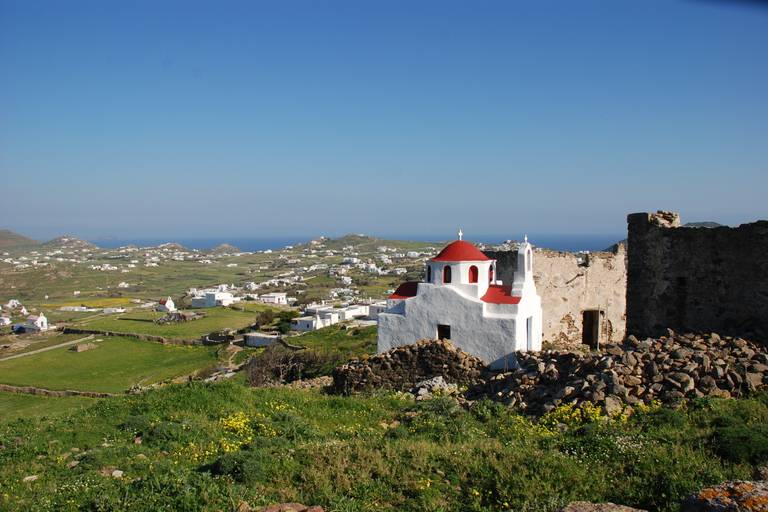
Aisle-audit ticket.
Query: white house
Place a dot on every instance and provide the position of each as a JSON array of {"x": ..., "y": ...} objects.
[
  {"x": 275, "y": 298},
  {"x": 463, "y": 301},
  {"x": 166, "y": 305},
  {"x": 213, "y": 299},
  {"x": 4, "y": 320},
  {"x": 36, "y": 323}
]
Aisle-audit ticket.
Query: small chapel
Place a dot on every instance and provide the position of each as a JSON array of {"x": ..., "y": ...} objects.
[{"x": 461, "y": 300}]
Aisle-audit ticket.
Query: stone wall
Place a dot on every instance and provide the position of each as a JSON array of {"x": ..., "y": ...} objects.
[
  {"x": 568, "y": 287},
  {"x": 696, "y": 279},
  {"x": 407, "y": 365}
]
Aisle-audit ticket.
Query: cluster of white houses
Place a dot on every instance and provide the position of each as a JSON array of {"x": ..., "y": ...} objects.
[{"x": 318, "y": 316}]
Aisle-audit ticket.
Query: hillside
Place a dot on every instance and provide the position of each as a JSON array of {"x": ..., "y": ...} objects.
[
  {"x": 68, "y": 242},
  {"x": 222, "y": 249},
  {"x": 10, "y": 239}
]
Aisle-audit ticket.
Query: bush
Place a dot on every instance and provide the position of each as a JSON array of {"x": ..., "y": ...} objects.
[
  {"x": 743, "y": 443},
  {"x": 242, "y": 466},
  {"x": 293, "y": 426},
  {"x": 486, "y": 409}
]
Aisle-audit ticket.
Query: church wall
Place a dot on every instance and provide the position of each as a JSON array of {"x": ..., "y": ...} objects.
[
  {"x": 696, "y": 279},
  {"x": 568, "y": 287}
]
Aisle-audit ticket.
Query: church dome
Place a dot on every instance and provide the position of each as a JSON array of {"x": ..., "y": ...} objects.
[{"x": 461, "y": 251}]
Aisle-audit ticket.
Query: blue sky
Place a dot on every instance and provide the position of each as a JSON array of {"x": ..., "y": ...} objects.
[{"x": 267, "y": 118}]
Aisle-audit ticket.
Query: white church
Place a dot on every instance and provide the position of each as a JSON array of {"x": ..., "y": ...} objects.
[{"x": 461, "y": 300}]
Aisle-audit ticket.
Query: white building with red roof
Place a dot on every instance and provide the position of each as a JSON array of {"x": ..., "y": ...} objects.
[
  {"x": 462, "y": 300},
  {"x": 166, "y": 305}
]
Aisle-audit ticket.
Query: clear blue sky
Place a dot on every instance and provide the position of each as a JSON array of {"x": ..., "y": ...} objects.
[{"x": 188, "y": 118}]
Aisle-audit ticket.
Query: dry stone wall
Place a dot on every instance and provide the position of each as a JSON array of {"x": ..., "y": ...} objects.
[
  {"x": 568, "y": 287},
  {"x": 404, "y": 366},
  {"x": 696, "y": 279},
  {"x": 669, "y": 368}
]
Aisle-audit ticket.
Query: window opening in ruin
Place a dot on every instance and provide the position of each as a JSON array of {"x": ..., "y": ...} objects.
[
  {"x": 429, "y": 274},
  {"x": 446, "y": 274},
  {"x": 473, "y": 274},
  {"x": 443, "y": 332},
  {"x": 590, "y": 334}
]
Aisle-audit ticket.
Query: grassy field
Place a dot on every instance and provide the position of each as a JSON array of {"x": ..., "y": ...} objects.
[
  {"x": 21, "y": 405},
  {"x": 142, "y": 322},
  {"x": 113, "y": 367},
  {"x": 215, "y": 446}
]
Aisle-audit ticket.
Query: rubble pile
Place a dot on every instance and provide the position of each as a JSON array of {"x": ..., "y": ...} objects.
[
  {"x": 668, "y": 369},
  {"x": 405, "y": 366}
]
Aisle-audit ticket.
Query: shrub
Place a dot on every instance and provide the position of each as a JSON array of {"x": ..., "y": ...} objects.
[
  {"x": 293, "y": 426},
  {"x": 743, "y": 443},
  {"x": 486, "y": 409},
  {"x": 242, "y": 466}
]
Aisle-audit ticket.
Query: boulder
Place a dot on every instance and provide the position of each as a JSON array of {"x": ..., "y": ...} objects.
[{"x": 731, "y": 496}]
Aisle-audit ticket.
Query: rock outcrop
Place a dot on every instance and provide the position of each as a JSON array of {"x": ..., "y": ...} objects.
[{"x": 731, "y": 496}]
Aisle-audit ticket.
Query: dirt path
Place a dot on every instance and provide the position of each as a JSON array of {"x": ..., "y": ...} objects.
[{"x": 48, "y": 348}]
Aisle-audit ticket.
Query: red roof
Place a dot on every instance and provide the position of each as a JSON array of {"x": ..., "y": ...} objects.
[
  {"x": 405, "y": 290},
  {"x": 500, "y": 294},
  {"x": 461, "y": 251}
]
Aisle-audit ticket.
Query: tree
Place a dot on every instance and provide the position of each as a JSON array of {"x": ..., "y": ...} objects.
[
  {"x": 287, "y": 316},
  {"x": 266, "y": 317}
]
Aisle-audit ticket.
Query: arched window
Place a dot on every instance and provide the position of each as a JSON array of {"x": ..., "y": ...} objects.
[
  {"x": 429, "y": 273},
  {"x": 490, "y": 274},
  {"x": 447, "y": 274},
  {"x": 473, "y": 274}
]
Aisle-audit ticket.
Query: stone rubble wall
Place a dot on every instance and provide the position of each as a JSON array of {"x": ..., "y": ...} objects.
[
  {"x": 568, "y": 287},
  {"x": 696, "y": 279},
  {"x": 31, "y": 390},
  {"x": 164, "y": 341},
  {"x": 668, "y": 368},
  {"x": 405, "y": 366}
]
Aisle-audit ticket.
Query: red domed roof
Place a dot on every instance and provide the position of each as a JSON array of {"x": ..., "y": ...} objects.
[{"x": 461, "y": 251}]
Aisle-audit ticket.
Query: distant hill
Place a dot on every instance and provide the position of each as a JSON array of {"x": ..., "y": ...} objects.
[
  {"x": 10, "y": 239},
  {"x": 222, "y": 249},
  {"x": 701, "y": 225},
  {"x": 362, "y": 243},
  {"x": 68, "y": 242}
]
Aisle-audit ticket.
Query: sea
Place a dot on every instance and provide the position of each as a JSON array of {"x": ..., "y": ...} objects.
[{"x": 566, "y": 243}]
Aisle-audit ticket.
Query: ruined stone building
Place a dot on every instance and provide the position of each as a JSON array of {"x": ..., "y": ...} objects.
[
  {"x": 583, "y": 299},
  {"x": 696, "y": 279}
]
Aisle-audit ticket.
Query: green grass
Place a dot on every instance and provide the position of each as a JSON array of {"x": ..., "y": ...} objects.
[
  {"x": 213, "y": 446},
  {"x": 37, "y": 343},
  {"x": 21, "y": 405},
  {"x": 137, "y": 322},
  {"x": 352, "y": 342},
  {"x": 113, "y": 367}
]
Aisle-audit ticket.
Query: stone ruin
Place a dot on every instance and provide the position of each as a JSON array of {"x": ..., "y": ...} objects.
[
  {"x": 696, "y": 279},
  {"x": 583, "y": 297},
  {"x": 84, "y": 346}
]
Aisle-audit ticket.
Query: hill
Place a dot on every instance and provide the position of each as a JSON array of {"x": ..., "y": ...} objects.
[
  {"x": 363, "y": 244},
  {"x": 222, "y": 249},
  {"x": 701, "y": 225},
  {"x": 68, "y": 242},
  {"x": 10, "y": 239}
]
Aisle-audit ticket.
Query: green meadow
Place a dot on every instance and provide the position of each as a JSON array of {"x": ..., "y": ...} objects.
[
  {"x": 220, "y": 446},
  {"x": 113, "y": 367},
  {"x": 143, "y": 322}
]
